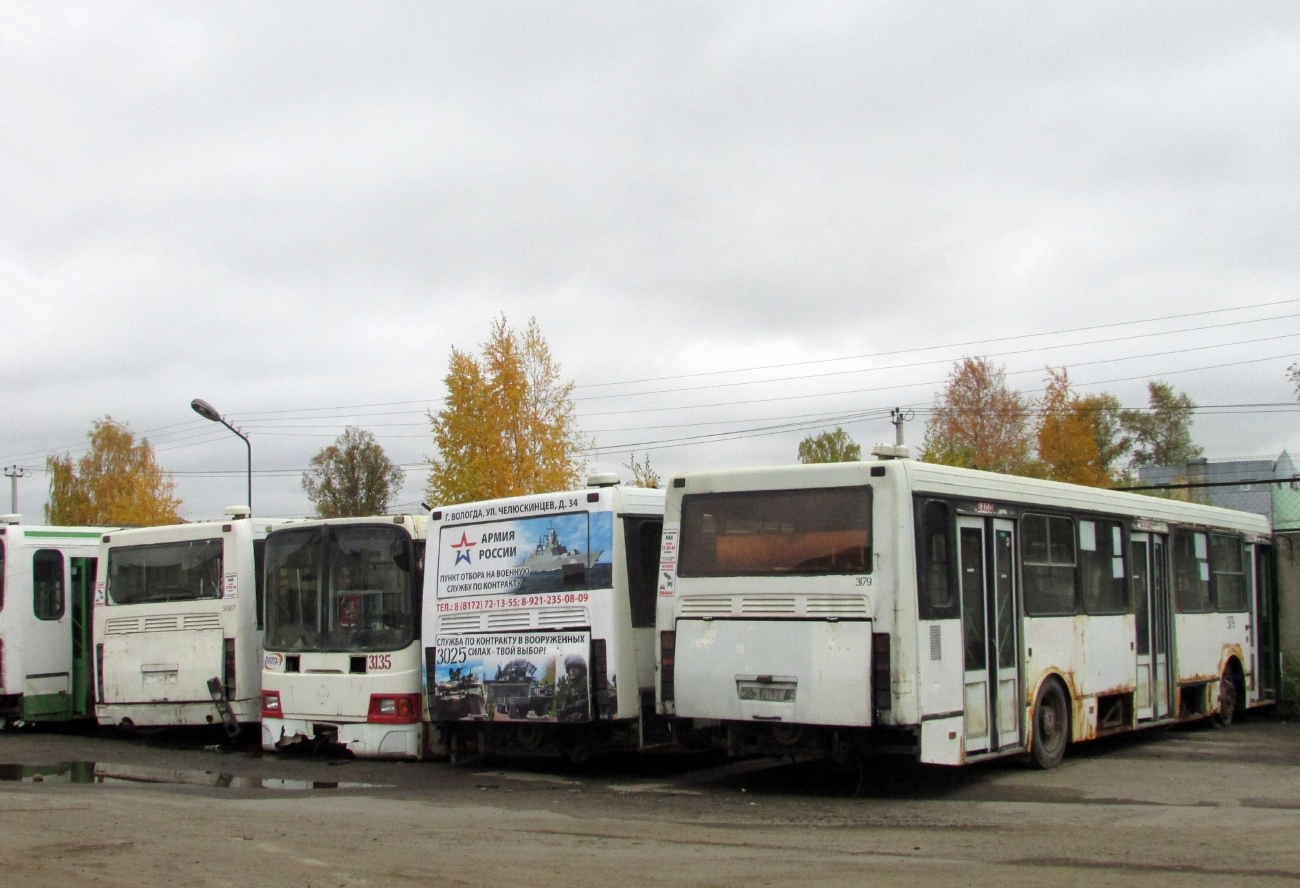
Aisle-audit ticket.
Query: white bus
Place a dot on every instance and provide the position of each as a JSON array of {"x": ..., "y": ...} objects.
[
  {"x": 830, "y": 610},
  {"x": 539, "y": 622},
  {"x": 46, "y": 580},
  {"x": 178, "y": 626},
  {"x": 342, "y": 661}
]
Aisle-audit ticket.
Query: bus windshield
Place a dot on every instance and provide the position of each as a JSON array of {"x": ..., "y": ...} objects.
[
  {"x": 345, "y": 588},
  {"x": 185, "y": 571},
  {"x": 776, "y": 533}
]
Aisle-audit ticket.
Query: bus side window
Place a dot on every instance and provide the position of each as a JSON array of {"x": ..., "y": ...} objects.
[
  {"x": 1191, "y": 573},
  {"x": 1047, "y": 549},
  {"x": 1227, "y": 571},
  {"x": 47, "y": 584},
  {"x": 641, "y": 537},
  {"x": 259, "y": 564},
  {"x": 1101, "y": 568},
  {"x": 936, "y": 599}
]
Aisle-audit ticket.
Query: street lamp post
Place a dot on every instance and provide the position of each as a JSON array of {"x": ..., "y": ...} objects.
[{"x": 207, "y": 411}]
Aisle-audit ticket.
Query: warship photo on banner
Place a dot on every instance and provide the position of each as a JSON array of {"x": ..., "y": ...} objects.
[{"x": 526, "y": 556}]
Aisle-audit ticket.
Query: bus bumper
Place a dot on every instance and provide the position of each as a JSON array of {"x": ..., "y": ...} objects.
[
  {"x": 361, "y": 739},
  {"x": 160, "y": 715}
]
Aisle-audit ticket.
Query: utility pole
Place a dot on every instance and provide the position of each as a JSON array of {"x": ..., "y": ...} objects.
[
  {"x": 13, "y": 473},
  {"x": 898, "y": 416}
]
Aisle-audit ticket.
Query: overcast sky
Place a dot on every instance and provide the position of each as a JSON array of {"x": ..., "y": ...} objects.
[{"x": 294, "y": 210}]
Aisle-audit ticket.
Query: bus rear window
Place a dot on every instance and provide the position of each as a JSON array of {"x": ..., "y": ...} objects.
[
  {"x": 184, "y": 571},
  {"x": 776, "y": 532}
]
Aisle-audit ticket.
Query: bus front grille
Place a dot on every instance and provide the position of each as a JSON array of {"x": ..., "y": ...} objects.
[
  {"x": 835, "y": 606},
  {"x": 459, "y": 623},
  {"x": 562, "y": 617},
  {"x": 509, "y": 620}
]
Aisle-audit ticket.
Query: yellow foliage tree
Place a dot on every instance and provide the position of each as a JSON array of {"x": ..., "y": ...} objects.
[
  {"x": 508, "y": 425},
  {"x": 1068, "y": 447},
  {"x": 980, "y": 423},
  {"x": 116, "y": 483}
]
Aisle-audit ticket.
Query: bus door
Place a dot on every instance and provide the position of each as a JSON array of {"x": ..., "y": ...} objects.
[
  {"x": 1153, "y": 613},
  {"x": 1265, "y": 622},
  {"x": 990, "y": 635},
  {"x": 83, "y": 583}
]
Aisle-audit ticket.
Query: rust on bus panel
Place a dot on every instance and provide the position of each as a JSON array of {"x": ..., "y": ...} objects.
[{"x": 1083, "y": 724}]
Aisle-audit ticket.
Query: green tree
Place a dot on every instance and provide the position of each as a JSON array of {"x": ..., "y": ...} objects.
[
  {"x": 829, "y": 447},
  {"x": 1113, "y": 443},
  {"x": 642, "y": 474},
  {"x": 1066, "y": 439},
  {"x": 508, "y": 425},
  {"x": 116, "y": 483},
  {"x": 1162, "y": 434},
  {"x": 980, "y": 423},
  {"x": 352, "y": 477}
]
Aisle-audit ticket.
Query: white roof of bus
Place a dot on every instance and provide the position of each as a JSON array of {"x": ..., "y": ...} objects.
[
  {"x": 632, "y": 497},
  {"x": 419, "y": 522},
  {"x": 976, "y": 485}
]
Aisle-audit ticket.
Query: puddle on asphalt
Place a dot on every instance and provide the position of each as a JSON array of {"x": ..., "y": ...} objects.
[{"x": 101, "y": 772}]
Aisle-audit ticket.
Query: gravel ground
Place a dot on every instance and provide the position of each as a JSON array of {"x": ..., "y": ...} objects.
[{"x": 1195, "y": 805}]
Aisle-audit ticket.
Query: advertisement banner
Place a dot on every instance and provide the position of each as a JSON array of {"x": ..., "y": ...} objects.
[
  {"x": 511, "y": 677},
  {"x": 527, "y": 556}
]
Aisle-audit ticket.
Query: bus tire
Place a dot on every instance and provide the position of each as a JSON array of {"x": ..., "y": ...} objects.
[
  {"x": 1229, "y": 695},
  {"x": 1051, "y": 723}
]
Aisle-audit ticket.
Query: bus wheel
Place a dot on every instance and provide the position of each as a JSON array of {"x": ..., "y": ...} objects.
[
  {"x": 1051, "y": 726},
  {"x": 1227, "y": 698}
]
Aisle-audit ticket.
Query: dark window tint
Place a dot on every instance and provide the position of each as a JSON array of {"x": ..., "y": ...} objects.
[
  {"x": 1191, "y": 572},
  {"x": 934, "y": 563},
  {"x": 777, "y": 532},
  {"x": 1004, "y": 589},
  {"x": 1102, "y": 581},
  {"x": 259, "y": 564},
  {"x": 47, "y": 584},
  {"x": 1047, "y": 542},
  {"x": 417, "y": 585},
  {"x": 1227, "y": 568},
  {"x": 184, "y": 571},
  {"x": 972, "y": 597},
  {"x": 347, "y": 588},
  {"x": 641, "y": 538},
  {"x": 1140, "y": 592}
]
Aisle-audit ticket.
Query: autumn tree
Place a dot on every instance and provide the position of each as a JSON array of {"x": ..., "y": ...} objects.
[
  {"x": 508, "y": 425},
  {"x": 1067, "y": 436},
  {"x": 1162, "y": 434},
  {"x": 829, "y": 447},
  {"x": 980, "y": 423},
  {"x": 642, "y": 474},
  {"x": 117, "y": 482},
  {"x": 352, "y": 477}
]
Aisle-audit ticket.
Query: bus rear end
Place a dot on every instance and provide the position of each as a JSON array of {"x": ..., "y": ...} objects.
[
  {"x": 539, "y": 616},
  {"x": 176, "y": 625},
  {"x": 773, "y": 618},
  {"x": 342, "y": 661}
]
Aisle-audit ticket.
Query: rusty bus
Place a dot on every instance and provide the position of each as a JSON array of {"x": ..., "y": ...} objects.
[{"x": 833, "y": 610}]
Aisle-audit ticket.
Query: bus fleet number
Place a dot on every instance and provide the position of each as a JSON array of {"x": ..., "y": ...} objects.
[
  {"x": 453, "y": 656},
  {"x": 379, "y": 661}
]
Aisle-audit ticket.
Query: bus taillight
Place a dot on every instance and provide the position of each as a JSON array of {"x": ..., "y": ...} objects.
[
  {"x": 881, "y": 694},
  {"x": 99, "y": 671},
  {"x": 667, "y": 655},
  {"x": 230, "y": 669},
  {"x": 271, "y": 704},
  {"x": 394, "y": 709}
]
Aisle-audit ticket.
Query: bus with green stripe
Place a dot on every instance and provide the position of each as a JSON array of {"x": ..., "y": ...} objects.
[{"x": 47, "y": 578}]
